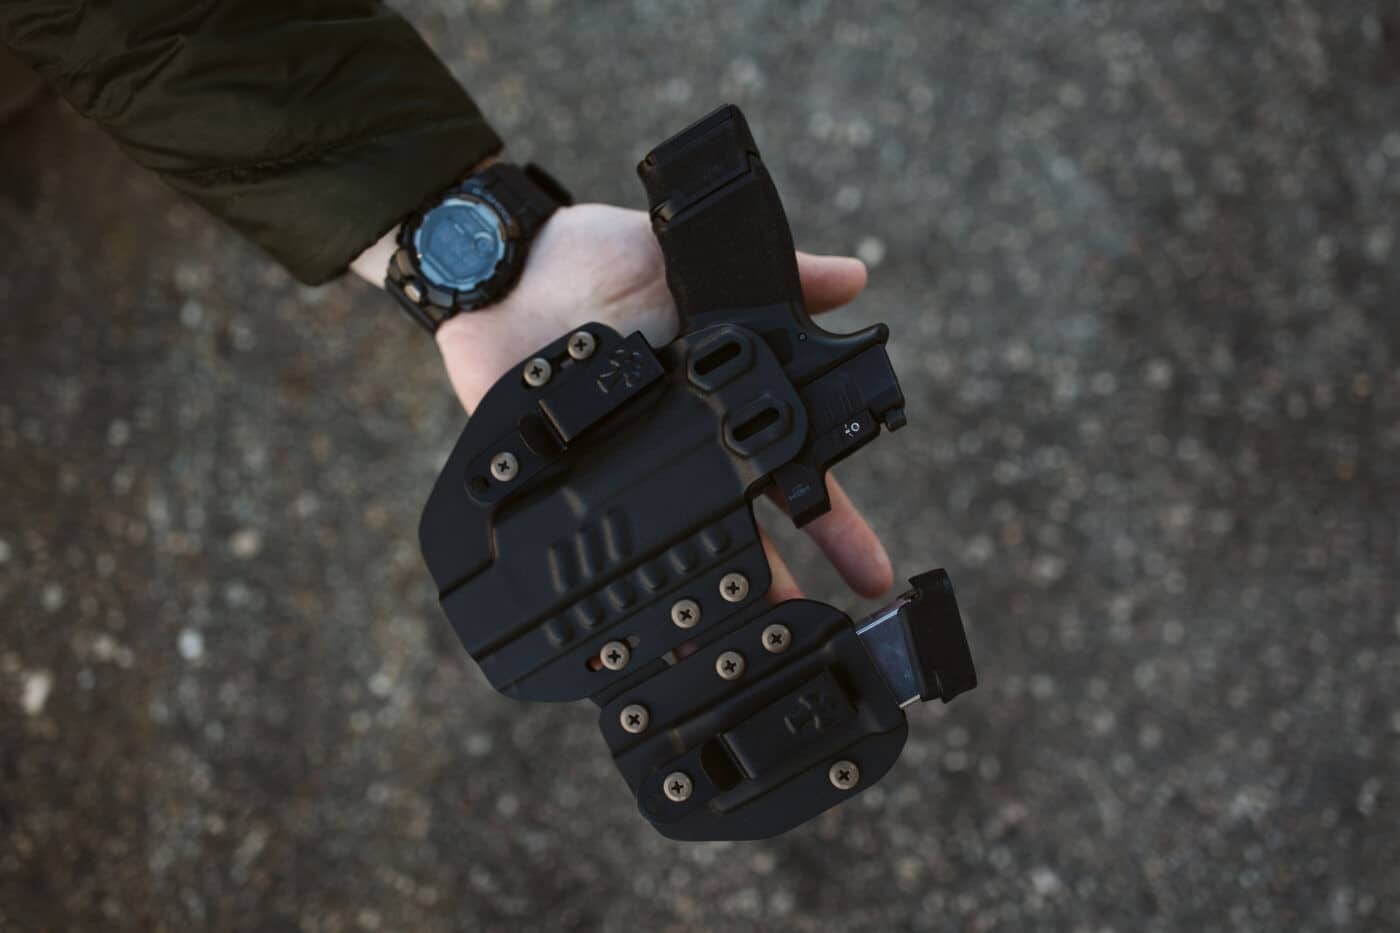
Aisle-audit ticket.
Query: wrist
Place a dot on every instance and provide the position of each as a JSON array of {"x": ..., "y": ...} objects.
[
  {"x": 480, "y": 347},
  {"x": 371, "y": 263}
]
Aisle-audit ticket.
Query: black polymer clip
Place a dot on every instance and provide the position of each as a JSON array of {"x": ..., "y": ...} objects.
[{"x": 592, "y": 534}]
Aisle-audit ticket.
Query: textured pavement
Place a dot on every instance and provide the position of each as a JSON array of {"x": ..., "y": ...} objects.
[{"x": 1142, "y": 265}]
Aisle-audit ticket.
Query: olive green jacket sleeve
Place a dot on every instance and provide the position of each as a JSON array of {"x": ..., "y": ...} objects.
[{"x": 310, "y": 126}]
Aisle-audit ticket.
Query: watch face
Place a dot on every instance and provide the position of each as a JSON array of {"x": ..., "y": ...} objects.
[{"x": 459, "y": 243}]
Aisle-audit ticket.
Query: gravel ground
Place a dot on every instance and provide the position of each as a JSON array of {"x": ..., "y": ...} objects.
[{"x": 1140, "y": 261}]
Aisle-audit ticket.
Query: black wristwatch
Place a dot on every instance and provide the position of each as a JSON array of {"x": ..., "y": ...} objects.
[{"x": 465, "y": 250}]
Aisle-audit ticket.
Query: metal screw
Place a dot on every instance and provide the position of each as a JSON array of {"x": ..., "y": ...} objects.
[
  {"x": 538, "y": 371},
  {"x": 678, "y": 786},
  {"x": 582, "y": 345},
  {"x": 615, "y": 655},
  {"x": 685, "y": 613},
  {"x": 504, "y": 466},
  {"x": 414, "y": 293},
  {"x": 734, "y": 587},
  {"x": 634, "y": 718},
  {"x": 730, "y": 665},
  {"x": 844, "y": 774},
  {"x": 776, "y": 638}
]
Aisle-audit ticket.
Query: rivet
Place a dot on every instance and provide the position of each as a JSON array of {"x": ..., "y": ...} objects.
[
  {"x": 776, "y": 638},
  {"x": 685, "y": 613},
  {"x": 538, "y": 371},
  {"x": 615, "y": 655},
  {"x": 634, "y": 718},
  {"x": 414, "y": 293},
  {"x": 844, "y": 774},
  {"x": 730, "y": 665},
  {"x": 582, "y": 345},
  {"x": 504, "y": 466},
  {"x": 734, "y": 587},
  {"x": 678, "y": 786}
]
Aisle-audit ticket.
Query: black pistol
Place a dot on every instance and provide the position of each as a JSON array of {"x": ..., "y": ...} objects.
[{"x": 592, "y": 534}]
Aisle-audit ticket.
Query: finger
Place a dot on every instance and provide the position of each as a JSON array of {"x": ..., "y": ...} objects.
[
  {"x": 851, "y": 545},
  {"x": 829, "y": 281},
  {"x": 784, "y": 584}
]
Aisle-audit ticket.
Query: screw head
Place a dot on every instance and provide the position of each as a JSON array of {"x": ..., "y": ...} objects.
[
  {"x": 844, "y": 774},
  {"x": 615, "y": 655},
  {"x": 582, "y": 345},
  {"x": 678, "y": 786},
  {"x": 634, "y": 718},
  {"x": 685, "y": 613},
  {"x": 776, "y": 638},
  {"x": 414, "y": 293},
  {"x": 538, "y": 371},
  {"x": 734, "y": 587},
  {"x": 504, "y": 466},
  {"x": 730, "y": 665}
]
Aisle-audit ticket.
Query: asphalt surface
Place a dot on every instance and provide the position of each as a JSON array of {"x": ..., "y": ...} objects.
[{"x": 1140, "y": 261}]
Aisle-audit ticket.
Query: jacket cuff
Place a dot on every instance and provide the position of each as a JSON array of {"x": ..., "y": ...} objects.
[{"x": 334, "y": 204}]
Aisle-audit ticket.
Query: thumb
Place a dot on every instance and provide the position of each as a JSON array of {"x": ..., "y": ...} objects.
[{"x": 829, "y": 281}]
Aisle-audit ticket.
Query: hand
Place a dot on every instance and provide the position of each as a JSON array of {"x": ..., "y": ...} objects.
[{"x": 592, "y": 262}]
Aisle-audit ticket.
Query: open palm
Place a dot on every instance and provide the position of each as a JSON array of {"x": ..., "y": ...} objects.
[{"x": 594, "y": 262}]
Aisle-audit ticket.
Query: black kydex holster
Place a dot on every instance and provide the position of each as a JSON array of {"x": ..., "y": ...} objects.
[{"x": 592, "y": 534}]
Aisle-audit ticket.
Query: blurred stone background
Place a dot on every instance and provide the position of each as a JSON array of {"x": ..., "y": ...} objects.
[{"x": 1140, "y": 261}]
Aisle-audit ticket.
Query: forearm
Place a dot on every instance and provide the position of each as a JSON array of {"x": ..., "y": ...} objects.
[{"x": 311, "y": 127}]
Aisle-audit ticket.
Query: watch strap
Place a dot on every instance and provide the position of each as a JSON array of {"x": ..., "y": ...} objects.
[{"x": 529, "y": 193}]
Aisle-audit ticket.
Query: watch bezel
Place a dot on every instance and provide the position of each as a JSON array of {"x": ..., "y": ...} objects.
[
  {"x": 488, "y": 225},
  {"x": 488, "y": 290}
]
